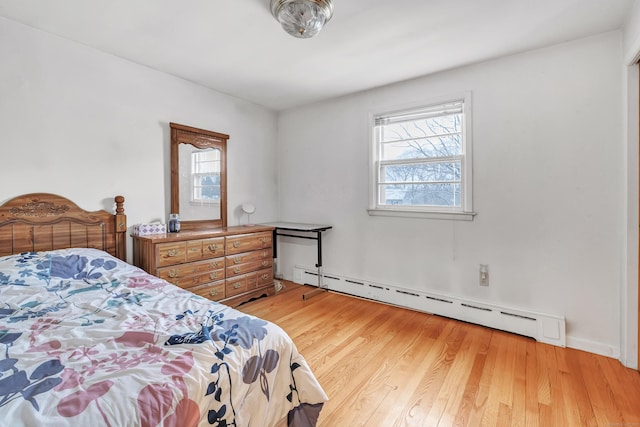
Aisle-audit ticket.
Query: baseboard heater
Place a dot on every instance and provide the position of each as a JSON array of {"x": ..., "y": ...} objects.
[{"x": 542, "y": 327}]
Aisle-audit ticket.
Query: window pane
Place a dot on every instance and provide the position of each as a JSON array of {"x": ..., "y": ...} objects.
[
  {"x": 206, "y": 187},
  {"x": 420, "y": 194},
  {"x": 422, "y": 128},
  {"x": 421, "y": 172},
  {"x": 206, "y": 161},
  {"x": 441, "y": 146}
]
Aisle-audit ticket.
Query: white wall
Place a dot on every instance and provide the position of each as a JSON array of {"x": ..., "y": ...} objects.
[
  {"x": 548, "y": 165},
  {"x": 90, "y": 126}
]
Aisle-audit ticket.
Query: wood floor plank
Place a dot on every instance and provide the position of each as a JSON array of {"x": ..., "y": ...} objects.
[
  {"x": 519, "y": 386},
  {"x": 574, "y": 383},
  {"x": 544, "y": 385},
  {"x": 442, "y": 356},
  {"x": 532, "y": 408},
  {"x": 472, "y": 384},
  {"x": 499, "y": 385},
  {"x": 388, "y": 366},
  {"x": 560, "y": 409},
  {"x": 449, "y": 399},
  {"x": 629, "y": 403},
  {"x": 370, "y": 394},
  {"x": 411, "y": 358},
  {"x": 353, "y": 367},
  {"x": 477, "y": 412},
  {"x": 601, "y": 395}
]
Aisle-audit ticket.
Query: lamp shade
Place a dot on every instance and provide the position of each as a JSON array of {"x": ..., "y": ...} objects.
[{"x": 302, "y": 18}]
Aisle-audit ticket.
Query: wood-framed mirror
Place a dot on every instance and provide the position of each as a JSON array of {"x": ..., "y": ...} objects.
[{"x": 198, "y": 177}]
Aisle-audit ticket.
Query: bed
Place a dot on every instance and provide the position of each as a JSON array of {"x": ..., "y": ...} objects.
[{"x": 87, "y": 339}]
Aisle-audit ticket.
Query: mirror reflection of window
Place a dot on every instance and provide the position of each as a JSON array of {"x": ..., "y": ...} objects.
[{"x": 205, "y": 176}]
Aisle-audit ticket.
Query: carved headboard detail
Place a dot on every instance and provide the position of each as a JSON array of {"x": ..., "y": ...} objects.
[
  {"x": 39, "y": 209},
  {"x": 43, "y": 221}
]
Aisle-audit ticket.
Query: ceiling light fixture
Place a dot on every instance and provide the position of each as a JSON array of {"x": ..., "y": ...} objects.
[{"x": 302, "y": 18}]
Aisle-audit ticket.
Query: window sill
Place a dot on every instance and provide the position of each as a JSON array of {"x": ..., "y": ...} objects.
[{"x": 456, "y": 216}]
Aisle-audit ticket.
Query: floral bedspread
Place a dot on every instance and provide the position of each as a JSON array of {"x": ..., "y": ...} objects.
[{"x": 86, "y": 339}]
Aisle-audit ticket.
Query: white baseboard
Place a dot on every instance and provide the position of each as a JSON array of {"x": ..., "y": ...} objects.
[{"x": 544, "y": 328}]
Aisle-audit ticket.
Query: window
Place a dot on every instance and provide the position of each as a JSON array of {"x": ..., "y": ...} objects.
[
  {"x": 421, "y": 161},
  {"x": 205, "y": 173}
]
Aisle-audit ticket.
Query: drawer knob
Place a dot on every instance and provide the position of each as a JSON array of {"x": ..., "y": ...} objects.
[
  {"x": 213, "y": 275},
  {"x": 172, "y": 252},
  {"x": 194, "y": 249},
  {"x": 213, "y": 264},
  {"x": 264, "y": 239},
  {"x": 265, "y": 263},
  {"x": 236, "y": 286},
  {"x": 213, "y": 292},
  {"x": 237, "y": 270},
  {"x": 213, "y": 247},
  {"x": 237, "y": 260},
  {"x": 173, "y": 273},
  {"x": 265, "y": 276},
  {"x": 236, "y": 244}
]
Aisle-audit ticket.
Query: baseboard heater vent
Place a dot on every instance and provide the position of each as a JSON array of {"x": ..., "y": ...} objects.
[
  {"x": 475, "y": 308},
  {"x": 542, "y": 327},
  {"x": 439, "y": 299}
]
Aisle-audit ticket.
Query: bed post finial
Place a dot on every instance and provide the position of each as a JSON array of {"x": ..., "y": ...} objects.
[
  {"x": 121, "y": 229},
  {"x": 119, "y": 205}
]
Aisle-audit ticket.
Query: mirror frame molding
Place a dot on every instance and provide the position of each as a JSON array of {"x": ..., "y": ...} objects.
[{"x": 200, "y": 138}]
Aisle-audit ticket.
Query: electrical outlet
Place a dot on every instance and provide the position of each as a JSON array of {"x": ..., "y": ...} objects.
[{"x": 484, "y": 274}]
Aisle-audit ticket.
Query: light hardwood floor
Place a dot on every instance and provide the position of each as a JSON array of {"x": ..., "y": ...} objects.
[{"x": 387, "y": 366}]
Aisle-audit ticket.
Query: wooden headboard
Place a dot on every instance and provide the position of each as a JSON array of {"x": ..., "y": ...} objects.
[{"x": 44, "y": 222}]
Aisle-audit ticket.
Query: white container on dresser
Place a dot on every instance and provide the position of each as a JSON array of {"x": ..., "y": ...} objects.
[{"x": 231, "y": 264}]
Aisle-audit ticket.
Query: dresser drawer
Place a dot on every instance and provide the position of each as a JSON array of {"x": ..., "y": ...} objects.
[
  {"x": 212, "y": 264},
  {"x": 205, "y": 248},
  {"x": 214, "y": 268},
  {"x": 212, "y": 248},
  {"x": 264, "y": 277},
  {"x": 171, "y": 253},
  {"x": 236, "y": 270},
  {"x": 265, "y": 254},
  {"x": 240, "y": 284},
  {"x": 191, "y": 281},
  {"x": 213, "y": 291},
  {"x": 194, "y": 250},
  {"x": 248, "y": 242}
]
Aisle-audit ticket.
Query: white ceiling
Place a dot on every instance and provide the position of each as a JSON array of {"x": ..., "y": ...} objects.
[{"x": 237, "y": 47}]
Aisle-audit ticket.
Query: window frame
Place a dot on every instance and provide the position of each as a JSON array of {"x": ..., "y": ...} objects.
[{"x": 462, "y": 212}]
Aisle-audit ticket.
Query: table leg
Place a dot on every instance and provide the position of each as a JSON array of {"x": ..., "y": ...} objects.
[{"x": 320, "y": 287}]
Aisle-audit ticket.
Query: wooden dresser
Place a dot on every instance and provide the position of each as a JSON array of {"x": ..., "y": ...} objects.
[{"x": 231, "y": 264}]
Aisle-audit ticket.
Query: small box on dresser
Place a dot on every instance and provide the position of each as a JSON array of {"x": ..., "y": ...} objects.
[{"x": 231, "y": 265}]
